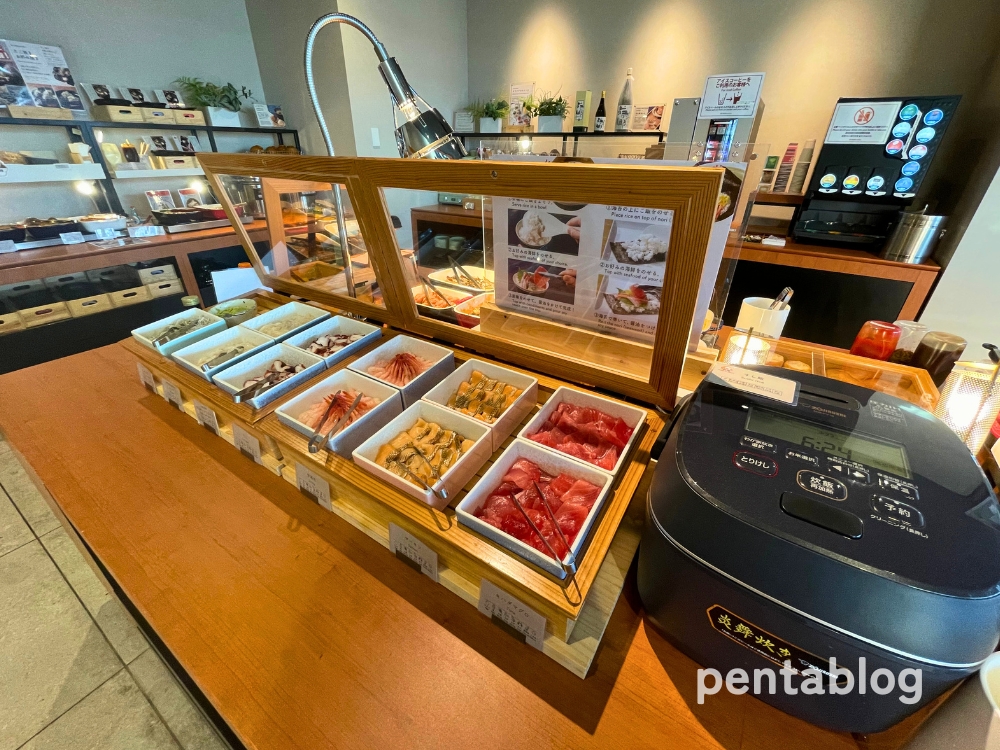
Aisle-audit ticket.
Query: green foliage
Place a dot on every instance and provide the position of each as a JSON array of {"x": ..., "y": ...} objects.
[
  {"x": 493, "y": 109},
  {"x": 204, "y": 94},
  {"x": 551, "y": 106}
]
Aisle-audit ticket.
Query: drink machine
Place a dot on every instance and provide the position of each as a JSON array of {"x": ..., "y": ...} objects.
[{"x": 874, "y": 158}]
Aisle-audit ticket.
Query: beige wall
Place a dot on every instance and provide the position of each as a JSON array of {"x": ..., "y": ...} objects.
[
  {"x": 279, "y": 37},
  {"x": 813, "y": 51}
]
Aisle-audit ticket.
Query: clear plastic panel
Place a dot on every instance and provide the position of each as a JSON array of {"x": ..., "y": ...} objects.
[{"x": 306, "y": 240}]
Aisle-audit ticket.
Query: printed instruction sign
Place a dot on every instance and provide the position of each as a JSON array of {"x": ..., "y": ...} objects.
[
  {"x": 862, "y": 122},
  {"x": 733, "y": 95},
  {"x": 757, "y": 383},
  {"x": 413, "y": 552},
  {"x": 511, "y": 614}
]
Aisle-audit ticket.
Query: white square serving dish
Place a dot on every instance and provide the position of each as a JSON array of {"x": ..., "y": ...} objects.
[
  {"x": 288, "y": 310},
  {"x": 456, "y": 477},
  {"x": 337, "y": 324},
  {"x": 231, "y": 379},
  {"x": 631, "y": 415},
  {"x": 344, "y": 442},
  {"x": 147, "y": 333},
  {"x": 442, "y": 363},
  {"x": 193, "y": 356},
  {"x": 509, "y": 420},
  {"x": 441, "y": 278},
  {"x": 551, "y": 463}
]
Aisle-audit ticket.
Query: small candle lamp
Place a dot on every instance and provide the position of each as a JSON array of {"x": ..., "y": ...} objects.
[
  {"x": 970, "y": 400},
  {"x": 746, "y": 349}
]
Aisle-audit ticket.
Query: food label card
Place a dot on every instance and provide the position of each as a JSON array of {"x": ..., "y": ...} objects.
[
  {"x": 146, "y": 376},
  {"x": 206, "y": 417},
  {"x": 413, "y": 552},
  {"x": 246, "y": 444},
  {"x": 173, "y": 394},
  {"x": 757, "y": 383},
  {"x": 71, "y": 238},
  {"x": 313, "y": 486},
  {"x": 512, "y": 615},
  {"x": 7, "y": 246}
]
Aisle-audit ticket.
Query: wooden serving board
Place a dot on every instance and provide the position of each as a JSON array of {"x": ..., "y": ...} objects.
[{"x": 576, "y": 611}]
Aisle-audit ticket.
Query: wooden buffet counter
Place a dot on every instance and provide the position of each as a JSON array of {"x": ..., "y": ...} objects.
[{"x": 303, "y": 632}]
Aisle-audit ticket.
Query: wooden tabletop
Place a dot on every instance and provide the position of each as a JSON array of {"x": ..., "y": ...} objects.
[{"x": 305, "y": 633}]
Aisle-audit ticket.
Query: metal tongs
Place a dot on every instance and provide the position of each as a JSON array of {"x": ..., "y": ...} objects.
[
  {"x": 224, "y": 357},
  {"x": 426, "y": 282},
  {"x": 174, "y": 330},
  {"x": 252, "y": 391},
  {"x": 568, "y": 567},
  {"x": 781, "y": 301},
  {"x": 318, "y": 440},
  {"x": 460, "y": 272}
]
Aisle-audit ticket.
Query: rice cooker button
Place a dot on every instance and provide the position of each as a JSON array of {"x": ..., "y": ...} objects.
[
  {"x": 905, "y": 489},
  {"x": 899, "y": 510},
  {"x": 757, "y": 444},
  {"x": 821, "y": 514},
  {"x": 801, "y": 456},
  {"x": 760, "y": 465},
  {"x": 821, "y": 485}
]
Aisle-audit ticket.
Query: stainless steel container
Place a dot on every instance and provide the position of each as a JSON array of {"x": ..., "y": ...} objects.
[{"x": 915, "y": 238}]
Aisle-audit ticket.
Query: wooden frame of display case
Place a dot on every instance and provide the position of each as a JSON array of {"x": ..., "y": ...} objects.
[{"x": 690, "y": 193}]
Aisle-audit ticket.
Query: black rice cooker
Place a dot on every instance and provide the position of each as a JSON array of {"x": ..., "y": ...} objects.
[{"x": 851, "y": 524}]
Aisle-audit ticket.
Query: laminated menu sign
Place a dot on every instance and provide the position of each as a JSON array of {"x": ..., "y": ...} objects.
[
  {"x": 595, "y": 265},
  {"x": 206, "y": 417},
  {"x": 246, "y": 444},
  {"x": 862, "y": 122},
  {"x": 312, "y": 485},
  {"x": 413, "y": 552},
  {"x": 598, "y": 266},
  {"x": 512, "y": 615},
  {"x": 36, "y": 75}
]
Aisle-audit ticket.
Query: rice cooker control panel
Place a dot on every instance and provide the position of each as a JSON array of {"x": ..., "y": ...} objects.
[{"x": 858, "y": 473}]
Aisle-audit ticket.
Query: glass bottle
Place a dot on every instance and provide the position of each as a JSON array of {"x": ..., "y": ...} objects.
[
  {"x": 624, "y": 105},
  {"x": 909, "y": 339},
  {"x": 600, "y": 118},
  {"x": 937, "y": 353},
  {"x": 876, "y": 340}
]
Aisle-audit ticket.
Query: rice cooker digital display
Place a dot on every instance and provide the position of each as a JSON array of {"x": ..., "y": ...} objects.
[{"x": 847, "y": 445}]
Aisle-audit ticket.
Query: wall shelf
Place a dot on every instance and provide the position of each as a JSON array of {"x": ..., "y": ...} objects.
[
  {"x": 17, "y": 174},
  {"x": 145, "y": 174}
]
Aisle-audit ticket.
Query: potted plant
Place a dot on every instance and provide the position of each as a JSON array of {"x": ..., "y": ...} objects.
[
  {"x": 551, "y": 111},
  {"x": 490, "y": 114},
  {"x": 222, "y": 104}
]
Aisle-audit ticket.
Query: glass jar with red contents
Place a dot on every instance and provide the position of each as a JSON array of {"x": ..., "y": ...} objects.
[{"x": 876, "y": 340}]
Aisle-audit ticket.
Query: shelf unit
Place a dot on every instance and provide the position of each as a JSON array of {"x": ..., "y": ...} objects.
[
  {"x": 566, "y": 137},
  {"x": 82, "y": 131},
  {"x": 137, "y": 174},
  {"x": 19, "y": 174}
]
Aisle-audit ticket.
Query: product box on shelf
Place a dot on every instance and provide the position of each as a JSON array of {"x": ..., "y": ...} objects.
[
  {"x": 39, "y": 316},
  {"x": 116, "y": 113},
  {"x": 156, "y": 114},
  {"x": 39, "y": 113},
  {"x": 153, "y": 274},
  {"x": 165, "y": 288},
  {"x": 189, "y": 117},
  {"x": 132, "y": 296},
  {"x": 84, "y": 306}
]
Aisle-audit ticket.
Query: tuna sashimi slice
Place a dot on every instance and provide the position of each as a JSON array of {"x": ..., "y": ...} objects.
[
  {"x": 571, "y": 518},
  {"x": 581, "y": 493}
]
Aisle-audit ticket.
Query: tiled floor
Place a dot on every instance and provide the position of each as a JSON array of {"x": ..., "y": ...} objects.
[{"x": 75, "y": 671}]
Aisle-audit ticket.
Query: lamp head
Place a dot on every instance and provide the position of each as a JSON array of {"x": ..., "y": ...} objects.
[{"x": 421, "y": 131}]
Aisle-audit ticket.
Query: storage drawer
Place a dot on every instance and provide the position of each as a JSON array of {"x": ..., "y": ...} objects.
[
  {"x": 157, "y": 273},
  {"x": 130, "y": 296},
  {"x": 10, "y": 322},
  {"x": 189, "y": 117},
  {"x": 71, "y": 286},
  {"x": 78, "y": 308},
  {"x": 154, "y": 114},
  {"x": 116, "y": 113},
  {"x": 173, "y": 162},
  {"x": 165, "y": 288},
  {"x": 115, "y": 278},
  {"x": 39, "y": 316}
]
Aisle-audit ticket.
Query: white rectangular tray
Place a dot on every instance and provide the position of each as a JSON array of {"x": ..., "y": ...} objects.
[
  {"x": 349, "y": 438},
  {"x": 508, "y": 421},
  {"x": 631, "y": 415},
  {"x": 441, "y": 278},
  {"x": 442, "y": 364},
  {"x": 145, "y": 334},
  {"x": 551, "y": 463},
  {"x": 190, "y": 356},
  {"x": 337, "y": 324},
  {"x": 284, "y": 311},
  {"x": 232, "y": 378},
  {"x": 456, "y": 477}
]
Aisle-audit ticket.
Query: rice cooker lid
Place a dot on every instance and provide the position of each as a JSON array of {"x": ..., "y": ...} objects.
[{"x": 859, "y": 476}]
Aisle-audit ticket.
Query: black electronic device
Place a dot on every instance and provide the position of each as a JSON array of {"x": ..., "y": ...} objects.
[
  {"x": 874, "y": 158},
  {"x": 852, "y": 524}
]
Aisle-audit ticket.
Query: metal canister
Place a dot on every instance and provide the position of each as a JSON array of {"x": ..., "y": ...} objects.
[{"x": 915, "y": 238}]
